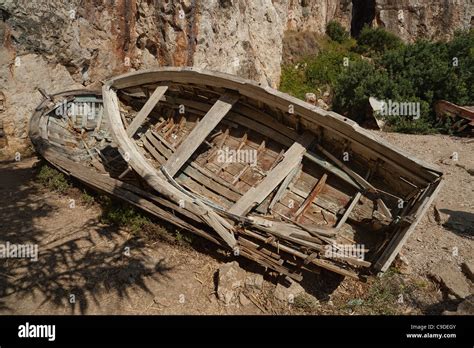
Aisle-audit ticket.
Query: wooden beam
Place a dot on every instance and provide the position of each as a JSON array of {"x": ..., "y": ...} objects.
[
  {"x": 200, "y": 132},
  {"x": 145, "y": 110},
  {"x": 311, "y": 197},
  {"x": 292, "y": 158},
  {"x": 348, "y": 211},
  {"x": 284, "y": 185}
]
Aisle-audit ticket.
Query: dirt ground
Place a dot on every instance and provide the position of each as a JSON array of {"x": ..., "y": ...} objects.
[{"x": 88, "y": 267}]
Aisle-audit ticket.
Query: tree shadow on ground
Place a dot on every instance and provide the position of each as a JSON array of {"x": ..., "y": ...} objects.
[
  {"x": 460, "y": 223},
  {"x": 445, "y": 305},
  {"x": 74, "y": 266}
]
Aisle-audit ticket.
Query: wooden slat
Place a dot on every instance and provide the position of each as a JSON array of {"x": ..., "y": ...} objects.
[
  {"x": 311, "y": 197},
  {"x": 146, "y": 109},
  {"x": 200, "y": 132},
  {"x": 152, "y": 145},
  {"x": 256, "y": 195},
  {"x": 348, "y": 211},
  {"x": 284, "y": 185}
]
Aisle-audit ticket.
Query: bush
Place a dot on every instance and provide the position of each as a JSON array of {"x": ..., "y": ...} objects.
[
  {"x": 421, "y": 72},
  {"x": 376, "y": 41},
  {"x": 357, "y": 84},
  {"x": 336, "y": 32},
  {"x": 327, "y": 67},
  {"x": 318, "y": 71},
  {"x": 293, "y": 81}
]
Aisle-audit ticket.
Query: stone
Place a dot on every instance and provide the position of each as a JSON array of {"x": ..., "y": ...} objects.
[
  {"x": 451, "y": 278},
  {"x": 322, "y": 104},
  {"x": 288, "y": 294},
  {"x": 230, "y": 281},
  {"x": 244, "y": 301},
  {"x": 254, "y": 281},
  {"x": 402, "y": 264},
  {"x": 468, "y": 269},
  {"x": 310, "y": 98}
]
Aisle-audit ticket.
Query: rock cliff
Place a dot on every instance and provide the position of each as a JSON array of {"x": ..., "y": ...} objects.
[{"x": 56, "y": 45}]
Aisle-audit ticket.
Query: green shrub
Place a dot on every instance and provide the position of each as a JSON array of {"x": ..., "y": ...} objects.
[
  {"x": 421, "y": 72},
  {"x": 357, "y": 84},
  {"x": 53, "y": 179},
  {"x": 306, "y": 303},
  {"x": 327, "y": 67},
  {"x": 122, "y": 215},
  {"x": 318, "y": 71},
  {"x": 293, "y": 81},
  {"x": 87, "y": 199},
  {"x": 376, "y": 41},
  {"x": 336, "y": 32}
]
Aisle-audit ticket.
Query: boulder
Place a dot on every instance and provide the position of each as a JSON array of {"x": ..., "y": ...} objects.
[
  {"x": 244, "y": 301},
  {"x": 230, "y": 281},
  {"x": 322, "y": 104},
  {"x": 288, "y": 293},
  {"x": 451, "y": 278},
  {"x": 254, "y": 281}
]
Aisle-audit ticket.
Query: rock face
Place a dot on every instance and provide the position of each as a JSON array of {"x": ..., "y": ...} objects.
[
  {"x": 413, "y": 19},
  {"x": 56, "y": 45}
]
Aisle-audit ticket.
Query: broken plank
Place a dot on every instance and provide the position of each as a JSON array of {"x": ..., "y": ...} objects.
[
  {"x": 311, "y": 197},
  {"x": 284, "y": 185},
  {"x": 348, "y": 211}
]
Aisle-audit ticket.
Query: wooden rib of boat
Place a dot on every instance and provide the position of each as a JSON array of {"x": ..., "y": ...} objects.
[{"x": 304, "y": 186}]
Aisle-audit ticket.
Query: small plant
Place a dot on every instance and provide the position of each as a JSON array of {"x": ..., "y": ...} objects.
[
  {"x": 123, "y": 216},
  {"x": 183, "y": 239},
  {"x": 87, "y": 199},
  {"x": 306, "y": 303},
  {"x": 336, "y": 32},
  {"x": 52, "y": 179},
  {"x": 293, "y": 81}
]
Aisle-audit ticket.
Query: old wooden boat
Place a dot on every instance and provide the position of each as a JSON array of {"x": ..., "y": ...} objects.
[
  {"x": 318, "y": 191},
  {"x": 460, "y": 119},
  {"x": 68, "y": 129}
]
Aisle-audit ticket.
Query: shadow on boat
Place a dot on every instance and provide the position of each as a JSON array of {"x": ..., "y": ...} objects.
[{"x": 72, "y": 268}]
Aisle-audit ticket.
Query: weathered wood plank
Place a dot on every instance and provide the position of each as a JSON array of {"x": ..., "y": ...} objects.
[
  {"x": 146, "y": 109},
  {"x": 284, "y": 185},
  {"x": 311, "y": 197},
  {"x": 199, "y": 133},
  {"x": 348, "y": 211},
  {"x": 256, "y": 195}
]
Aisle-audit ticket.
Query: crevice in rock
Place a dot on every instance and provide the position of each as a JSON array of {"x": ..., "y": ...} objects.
[
  {"x": 363, "y": 12},
  {"x": 4, "y": 15}
]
